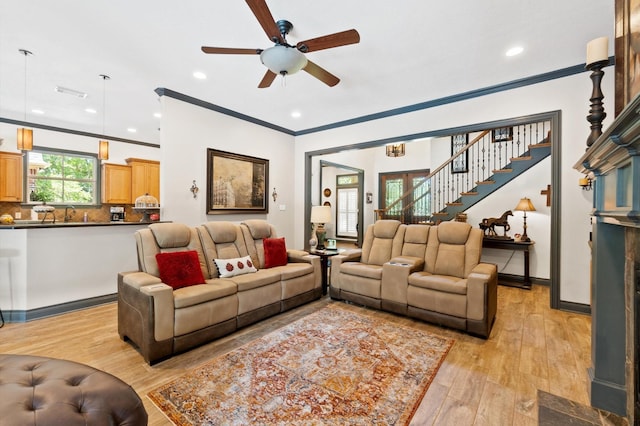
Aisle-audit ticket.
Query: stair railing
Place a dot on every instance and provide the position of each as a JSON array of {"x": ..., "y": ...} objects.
[{"x": 490, "y": 152}]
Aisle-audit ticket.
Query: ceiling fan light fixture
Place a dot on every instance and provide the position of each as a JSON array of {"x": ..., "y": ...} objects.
[{"x": 283, "y": 60}]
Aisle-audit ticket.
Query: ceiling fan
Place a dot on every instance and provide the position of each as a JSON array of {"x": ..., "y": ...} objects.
[{"x": 283, "y": 58}]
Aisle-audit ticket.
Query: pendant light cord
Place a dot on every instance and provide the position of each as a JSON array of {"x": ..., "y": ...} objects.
[
  {"x": 25, "y": 53},
  {"x": 104, "y": 101}
]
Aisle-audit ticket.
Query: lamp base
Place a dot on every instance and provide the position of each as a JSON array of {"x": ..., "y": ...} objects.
[{"x": 321, "y": 234}]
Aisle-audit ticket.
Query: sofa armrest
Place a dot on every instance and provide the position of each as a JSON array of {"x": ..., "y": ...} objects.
[
  {"x": 482, "y": 285},
  {"x": 353, "y": 255},
  {"x": 298, "y": 255},
  {"x": 146, "y": 313},
  {"x": 414, "y": 263},
  {"x": 395, "y": 278}
]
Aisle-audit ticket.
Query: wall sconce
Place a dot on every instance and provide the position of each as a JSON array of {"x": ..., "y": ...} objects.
[
  {"x": 274, "y": 194},
  {"x": 395, "y": 150},
  {"x": 194, "y": 189},
  {"x": 103, "y": 150},
  {"x": 597, "y": 58},
  {"x": 586, "y": 183}
]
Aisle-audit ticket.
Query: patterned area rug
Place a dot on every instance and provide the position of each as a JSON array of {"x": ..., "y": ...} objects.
[{"x": 331, "y": 367}]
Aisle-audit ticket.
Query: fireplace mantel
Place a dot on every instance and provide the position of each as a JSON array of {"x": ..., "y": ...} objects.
[{"x": 613, "y": 161}]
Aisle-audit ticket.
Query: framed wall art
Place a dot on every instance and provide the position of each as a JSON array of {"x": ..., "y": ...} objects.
[
  {"x": 502, "y": 134},
  {"x": 458, "y": 143},
  {"x": 627, "y": 52},
  {"x": 236, "y": 183}
]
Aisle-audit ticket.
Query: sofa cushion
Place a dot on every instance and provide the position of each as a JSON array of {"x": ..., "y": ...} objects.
[
  {"x": 295, "y": 270},
  {"x": 214, "y": 289},
  {"x": 362, "y": 269},
  {"x": 171, "y": 235},
  {"x": 261, "y": 278},
  {"x": 236, "y": 266},
  {"x": 222, "y": 232},
  {"x": 180, "y": 269},
  {"x": 275, "y": 252},
  {"x": 259, "y": 228},
  {"x": 443, "y": 283},
  {"x": 453, "y": 232},
  {"x": 450, "y": 260}
]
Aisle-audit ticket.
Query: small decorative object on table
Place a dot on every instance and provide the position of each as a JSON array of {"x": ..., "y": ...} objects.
[
  {"x": 488, "y": 225},
  {"x": 147, "y": 205}
]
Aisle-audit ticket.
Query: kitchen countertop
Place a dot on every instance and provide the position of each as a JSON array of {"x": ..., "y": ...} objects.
[{"x": 28, "y": 224}]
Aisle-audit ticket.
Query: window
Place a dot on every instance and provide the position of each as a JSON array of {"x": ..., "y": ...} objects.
[
  {"x": 407, "y": 196},
  {"x": 61, "y": 177},
  {"x": 347, "y": 206}
]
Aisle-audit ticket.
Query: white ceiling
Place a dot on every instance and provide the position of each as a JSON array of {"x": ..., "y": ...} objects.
[{"x": 411, "y": 51}]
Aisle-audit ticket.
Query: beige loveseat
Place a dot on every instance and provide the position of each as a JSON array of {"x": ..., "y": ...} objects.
[
  {"x": 432, "y": 273},
  {"x": 162, "y": 321}
]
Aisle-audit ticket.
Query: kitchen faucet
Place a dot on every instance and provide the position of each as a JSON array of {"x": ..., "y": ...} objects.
[{"x": 67, "y": 217}]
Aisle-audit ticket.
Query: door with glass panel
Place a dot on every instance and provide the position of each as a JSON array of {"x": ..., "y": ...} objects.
[
  {"x": 347, "y": 206},
  {"x": 405, "y": 196}
]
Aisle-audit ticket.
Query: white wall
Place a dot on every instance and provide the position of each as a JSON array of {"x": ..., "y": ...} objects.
[
  {"x": 187, "y": 131},
  {"x": 118, "y": 151},
  {"x": 569, "y": 94}
]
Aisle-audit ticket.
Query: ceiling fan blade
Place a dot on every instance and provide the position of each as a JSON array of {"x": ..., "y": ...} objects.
[
  {"x": 264, "y": 17},
  {"x": 268, "y": 78},
  {"x": 231, "y": 50},
  {"x": 332, "y": 40},
  {"x": 321, "y": 74}
]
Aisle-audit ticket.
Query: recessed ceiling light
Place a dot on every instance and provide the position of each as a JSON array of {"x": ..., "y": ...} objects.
[
  {"x": 90, "y": 110},
  {"x": 200, "y": 75},
  {"x": 157, "y": 115},
  {"x": 516, "y": 50},
  {"x": 296, "y": 114},
  {"x": 37, "y": 111},
  {"x": 131, "y": 130}
]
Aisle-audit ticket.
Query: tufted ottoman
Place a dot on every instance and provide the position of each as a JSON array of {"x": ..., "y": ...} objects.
[{"x": 45, "y": 391}]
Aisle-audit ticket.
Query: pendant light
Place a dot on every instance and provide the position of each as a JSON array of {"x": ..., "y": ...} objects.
[
  {"x": 103, "y": 146},
  {"x": 25, "y": 136}
]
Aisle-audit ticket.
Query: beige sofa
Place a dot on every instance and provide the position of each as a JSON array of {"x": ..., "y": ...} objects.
[
  {"x": 162, "y": 321},
  {"x": 432, "y": 273}
]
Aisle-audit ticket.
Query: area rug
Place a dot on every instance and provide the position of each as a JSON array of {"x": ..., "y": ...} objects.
[{"x": 331, "y": 367}]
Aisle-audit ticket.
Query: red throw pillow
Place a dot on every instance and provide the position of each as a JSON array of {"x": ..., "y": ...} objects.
[
  {"x": 275, "y": 252},
  {"x": 180, "y": 269}
]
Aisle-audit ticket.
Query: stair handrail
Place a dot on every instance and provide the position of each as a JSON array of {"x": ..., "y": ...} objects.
[{"x": 433, "y": 173}]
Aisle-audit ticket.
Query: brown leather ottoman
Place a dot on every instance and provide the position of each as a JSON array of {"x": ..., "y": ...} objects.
[{"x": 45, "y": 391}]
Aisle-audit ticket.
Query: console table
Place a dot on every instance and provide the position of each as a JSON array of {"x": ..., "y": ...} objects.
[{"x": 523, "y": 246}]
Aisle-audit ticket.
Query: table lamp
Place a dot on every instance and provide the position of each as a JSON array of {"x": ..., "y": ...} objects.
[
  {"x": 525, "y": 206},
  {"x": 319, "y": 216}
]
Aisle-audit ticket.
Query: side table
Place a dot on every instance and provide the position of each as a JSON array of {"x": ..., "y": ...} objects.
[
  {"x": 522, "y": 246},
  {"x": 324, "y": 265}
]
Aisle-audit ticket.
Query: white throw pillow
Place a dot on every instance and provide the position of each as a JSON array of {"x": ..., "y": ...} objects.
[{"x": 231, "y": 267}]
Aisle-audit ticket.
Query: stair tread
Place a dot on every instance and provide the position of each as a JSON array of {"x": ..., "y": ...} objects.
[
  {"x": 540, "y": 145},
  {"x": 502, "y": 171},
  {"x": 440, "y": 214},
  {"x": 523, "y": 158},
  {"x": 468, "y": 193},
  {"x": 485, "y": 182},
  {"x": 454, "y": 204}
]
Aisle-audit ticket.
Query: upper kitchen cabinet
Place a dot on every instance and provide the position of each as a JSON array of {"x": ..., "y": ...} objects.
[
  {"x": 145, "y": 177},
  {"x": 10, "y": 177},
  {"x": 116, "y": 184}
]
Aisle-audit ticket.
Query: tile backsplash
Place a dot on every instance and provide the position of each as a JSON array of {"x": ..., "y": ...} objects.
[{"x": 94, "y": 214}]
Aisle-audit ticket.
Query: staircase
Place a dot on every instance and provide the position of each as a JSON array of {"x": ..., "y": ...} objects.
[{"x": 492, "y": 159}]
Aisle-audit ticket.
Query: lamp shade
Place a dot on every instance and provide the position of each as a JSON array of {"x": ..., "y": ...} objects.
[
  {"x": 525, "y": 205},
  {"x": 598, "y": 50},
  {"x": 103, "y": 150},
  {"x": 320, "y": 214},
  {"x": 283, "y": 60},
  {"x": 25, "y": 139}
]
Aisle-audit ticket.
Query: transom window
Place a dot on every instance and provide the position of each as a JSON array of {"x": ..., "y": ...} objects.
[{"x": 61, "y": 177}]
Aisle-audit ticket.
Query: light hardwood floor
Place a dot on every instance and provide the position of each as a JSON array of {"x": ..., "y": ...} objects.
[{"x": 484, "y": 382}]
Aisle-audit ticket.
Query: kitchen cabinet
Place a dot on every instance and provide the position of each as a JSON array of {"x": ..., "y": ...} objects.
[
  {"x": 145, "y": 177},
  {"x": 116, "y": 184},
  {"x": 10, "y": 177}
]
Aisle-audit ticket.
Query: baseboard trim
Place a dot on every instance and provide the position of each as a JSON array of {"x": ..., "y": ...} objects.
[{"x": 62, "y": 308}]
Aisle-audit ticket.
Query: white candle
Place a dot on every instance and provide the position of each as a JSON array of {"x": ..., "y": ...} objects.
[{"x": 598, "y": 50}]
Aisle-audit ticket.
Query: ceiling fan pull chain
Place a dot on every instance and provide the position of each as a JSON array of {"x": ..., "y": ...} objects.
[{"x": 284, "y": 80}]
